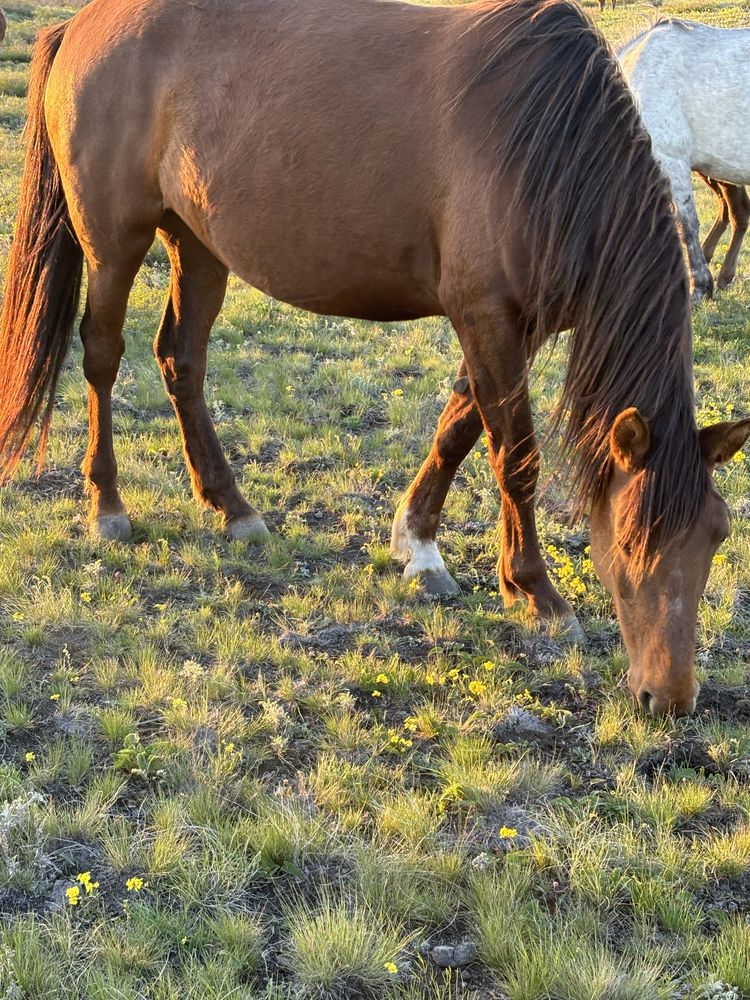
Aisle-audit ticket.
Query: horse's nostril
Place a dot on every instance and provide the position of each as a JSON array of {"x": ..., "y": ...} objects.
[{"x": 645, "y": 698}]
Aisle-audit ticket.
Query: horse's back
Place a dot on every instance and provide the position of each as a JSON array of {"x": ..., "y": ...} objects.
[
  {"x": 292, "y": 136},
  {"x": 333, "y": 153},
  {"x": 692, "y": 81}
]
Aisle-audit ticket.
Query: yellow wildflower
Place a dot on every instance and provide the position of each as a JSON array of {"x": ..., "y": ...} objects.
[
  {"x": 377, "y": 694},
  {"x": 30, "y": 757},
  {"x": 74, "y": 895},
  {"x": 391, "y": 967},
  {"x": 85, "y": 879},
  {"x": 477, "y": 687},
  {"x": 54, "y": 697},
  {"x": 382, "y": 679},
  {"x": 135, "y": 884},
  {"x": 507, "y": 832},
  {"x": 86, "y": 597}
]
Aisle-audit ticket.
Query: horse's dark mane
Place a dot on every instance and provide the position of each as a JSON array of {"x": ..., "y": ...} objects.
[{"x": 605, "y": 258}]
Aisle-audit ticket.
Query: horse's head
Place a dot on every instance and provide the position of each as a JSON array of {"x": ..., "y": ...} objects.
[{"x": 658, "y": 608}]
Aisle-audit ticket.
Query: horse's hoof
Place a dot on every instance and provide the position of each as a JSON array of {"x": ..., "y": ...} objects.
[
  {"x": 112, "y": 527},
  {"x": 436, "y": 583},
  {"x": 571, "y": 631},
  {"x": 250, "y": 528},
  {"x": 724, "y": 281},
  {"x": 703, "y": 290}
]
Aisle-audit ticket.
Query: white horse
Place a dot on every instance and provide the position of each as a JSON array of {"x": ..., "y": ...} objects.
[{"x": 692, "y": 84}]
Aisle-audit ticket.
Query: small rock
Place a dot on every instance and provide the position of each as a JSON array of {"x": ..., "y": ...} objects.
[
  {"x": 447, "y": 956},
  {"x": 442, "y": 956},
  {"x": 521, "y": 719},
  {"x": 464, "y": 954},
  {"x": 520, "y": 725}
]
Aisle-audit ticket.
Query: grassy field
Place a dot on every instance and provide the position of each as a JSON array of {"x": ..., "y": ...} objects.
[{"x": 228, "y": 772}]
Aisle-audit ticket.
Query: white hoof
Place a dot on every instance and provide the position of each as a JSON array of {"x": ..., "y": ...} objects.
[
  {"x": 422, "y": 558},
  {"x": 436, "y": 584},
  {"x": 571, "y": 631},
  {"x": 112, "y": 527},
  {"x": 251, "y": 529}
]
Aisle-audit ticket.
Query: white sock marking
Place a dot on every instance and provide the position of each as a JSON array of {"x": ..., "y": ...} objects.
[{"x": 420, "y": 555}]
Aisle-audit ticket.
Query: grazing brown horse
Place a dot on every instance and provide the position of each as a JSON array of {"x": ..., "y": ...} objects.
[
  {"x": 384, "y": 161},
  {"x": 734, "y": 208}
]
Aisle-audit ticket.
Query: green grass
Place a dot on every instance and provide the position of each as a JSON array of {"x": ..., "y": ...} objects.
[{"x": 285, "y": 775}]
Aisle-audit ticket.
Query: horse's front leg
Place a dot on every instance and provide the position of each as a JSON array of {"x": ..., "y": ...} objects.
[
  {"x": 496, "y": 361},
  {"x": 682, "y": 194},
  {"x": 418, "y": 515}
]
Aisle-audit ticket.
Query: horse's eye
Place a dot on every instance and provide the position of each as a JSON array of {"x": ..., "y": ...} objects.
[{"x": 626, "y": 549}]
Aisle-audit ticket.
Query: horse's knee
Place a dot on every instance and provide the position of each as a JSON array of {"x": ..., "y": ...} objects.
[
  {"x": 452, "y": 446},
  {"x": 101, "y": 356},
  {"x": 183, "y": 380},
  {"x": 183, "y": 375}
]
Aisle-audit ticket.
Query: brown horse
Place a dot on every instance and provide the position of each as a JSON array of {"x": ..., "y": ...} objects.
[
  {"x": 384, "y": 161},
  {"x": 734, "y": 208}
]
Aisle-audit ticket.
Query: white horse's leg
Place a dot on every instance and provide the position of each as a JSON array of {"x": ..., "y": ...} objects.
[{"x": 682, "y": 193}]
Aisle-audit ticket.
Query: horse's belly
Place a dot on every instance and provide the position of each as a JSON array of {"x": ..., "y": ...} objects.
[
  {"x": 384, "y": 302},
  {"x": 720, "y": 140},
  {"x": 342, "y": 273},
  {"x": 733, "y": 168},
  {"x": 356, "y": 243}
]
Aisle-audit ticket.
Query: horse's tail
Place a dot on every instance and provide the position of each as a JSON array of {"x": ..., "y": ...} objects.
[{"x": 43, "y": 282}]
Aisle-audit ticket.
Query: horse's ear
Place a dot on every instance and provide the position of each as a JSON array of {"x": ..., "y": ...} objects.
[
  {"x": 720, "y": 442},
  {"x": 630, "y": 440}
]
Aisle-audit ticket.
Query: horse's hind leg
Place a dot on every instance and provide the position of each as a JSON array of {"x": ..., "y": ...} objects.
[
  {"x": 109, "y": 286},
  {"x": 196, "y": 295},
  {"x": 417, "y": 518},
  {"x": 738, "y": 204},
  {"x": 722, "y": 219}
]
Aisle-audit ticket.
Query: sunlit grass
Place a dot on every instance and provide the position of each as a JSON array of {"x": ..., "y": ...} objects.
[{"x": 289, "y": 775}]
